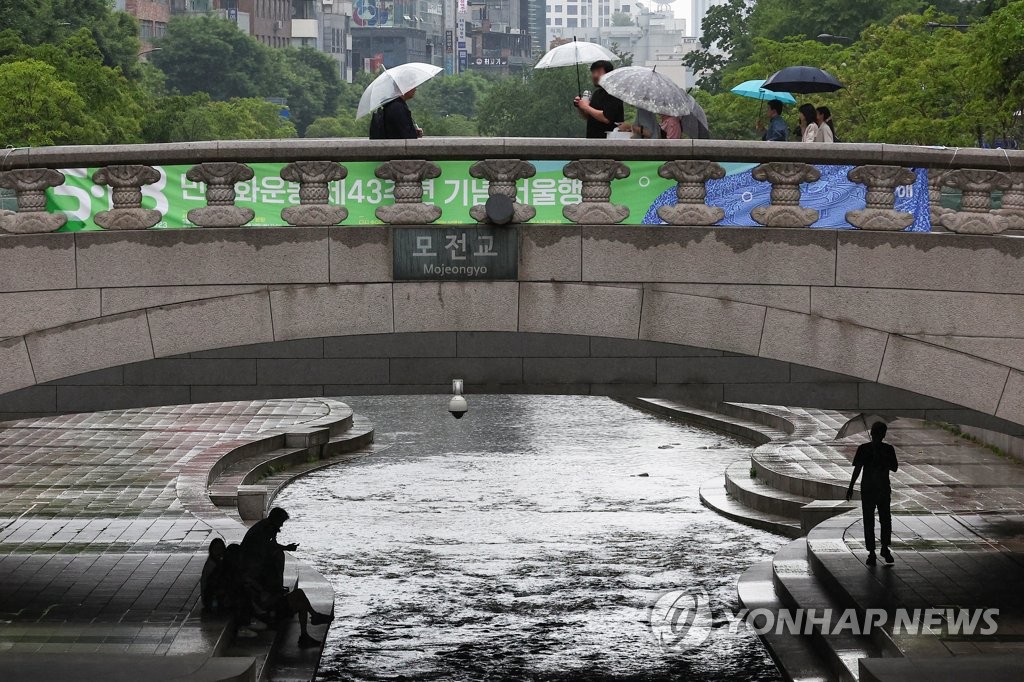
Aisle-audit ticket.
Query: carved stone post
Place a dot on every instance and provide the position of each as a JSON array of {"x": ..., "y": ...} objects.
[
  {"x": 408, "y": 208},
  {"x": 785, "y": 210},
  {"x": 220, "y": 209},
  {"x": 1013, "y": 203},
  {"x": 880, "y": 212},
  {"x": 313, "y": 208},
  {"x": 126, "y": 182},
  {"x": 502, "y": 175},
  {"x": 975, "y": 215},
  {"x": 935, "y": 208},
  {"x": 30, "y": 185},
  {"x": 596, "y": 176},
  {"x": 691, "y": 193}
]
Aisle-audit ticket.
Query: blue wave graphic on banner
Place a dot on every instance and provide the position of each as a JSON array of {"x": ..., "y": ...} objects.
[{"x": 833, "y": 195}]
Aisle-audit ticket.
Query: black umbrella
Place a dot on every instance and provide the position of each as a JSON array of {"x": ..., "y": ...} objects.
[{"x": 802, "y": 79}]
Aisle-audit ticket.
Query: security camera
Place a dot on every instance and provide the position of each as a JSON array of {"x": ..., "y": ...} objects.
[{"x": 457, "y": 405}]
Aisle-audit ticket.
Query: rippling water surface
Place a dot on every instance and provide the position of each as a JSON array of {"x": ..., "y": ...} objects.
[{"x": 521, "y": 543}]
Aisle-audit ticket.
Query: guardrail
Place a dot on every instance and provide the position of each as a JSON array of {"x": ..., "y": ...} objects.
[{"x": 502, "y": 162}]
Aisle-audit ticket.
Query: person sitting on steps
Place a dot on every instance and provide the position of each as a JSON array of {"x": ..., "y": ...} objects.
[{"x": 263, "y": 574}]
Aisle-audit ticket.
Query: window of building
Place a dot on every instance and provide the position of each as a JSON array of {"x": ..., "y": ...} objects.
[
  {"x": 571, "y": 23},
  {"x": 558, "y": 21},
  {"x": 558, "y": 8},
  {"x": 571, "y": 10},
  {"x": 583, "y": 23}
]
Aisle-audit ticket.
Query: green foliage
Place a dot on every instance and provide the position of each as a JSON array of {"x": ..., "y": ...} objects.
[
  {"x": 182, "y": 118},
  {"x": 448, "y": 95},
  {"x": 204, "y": 54},
  {"x": 342, "y": 125},
  {"x": 112, "y": 102},
  {"x": 724, "y": 32},
  {"x": 40, "y": 107},
  {"x": 50, "y": 21},
  {"x": 311, "y": 84},
  {"x": 540, "y": 105}
]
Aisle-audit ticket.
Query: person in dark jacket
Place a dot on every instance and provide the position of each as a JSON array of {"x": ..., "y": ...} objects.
[
  {"x": 394, "y": 121},
  {"x": 213, "y": 582},
  {"x": 262, "y": 556},
  {"x": 876, "y": 459},
  {"x": 602, "y": 111}
]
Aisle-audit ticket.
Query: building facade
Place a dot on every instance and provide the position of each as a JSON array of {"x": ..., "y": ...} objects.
[{"x": 152, "y": 16}]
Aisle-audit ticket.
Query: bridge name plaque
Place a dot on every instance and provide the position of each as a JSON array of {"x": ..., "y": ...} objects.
[{"x": 456, "y": 253}]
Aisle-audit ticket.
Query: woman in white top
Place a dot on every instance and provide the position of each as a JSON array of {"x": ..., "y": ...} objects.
[
  {"x": 826, "y": 130},
  {"x": 808, "y": 122}
]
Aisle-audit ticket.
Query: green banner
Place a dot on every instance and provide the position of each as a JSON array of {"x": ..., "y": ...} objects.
[{"x": 361, "y": 192}]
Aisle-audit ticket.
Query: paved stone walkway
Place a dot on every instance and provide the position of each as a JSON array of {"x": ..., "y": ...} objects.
[{"x": 97, "y": 554}]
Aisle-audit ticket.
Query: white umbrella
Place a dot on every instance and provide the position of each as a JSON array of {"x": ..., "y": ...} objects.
[
  {"x": 393, "y": 83},
  {"x": 647, "y": 89},
  {"x": 575, "y": 53}
]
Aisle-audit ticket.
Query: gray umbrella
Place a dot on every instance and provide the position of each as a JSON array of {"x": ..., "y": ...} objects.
[
  {"x": 862, "y": 422},
  {"x": 695, "y": 123},
  {"x": 647, "y": 89}
]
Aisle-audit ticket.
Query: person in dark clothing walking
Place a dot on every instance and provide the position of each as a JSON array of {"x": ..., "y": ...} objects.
[
  {"x": 602, "y": 111},
  {"x": 393, "y": 121},
  {"x": 876, "y": 459}
]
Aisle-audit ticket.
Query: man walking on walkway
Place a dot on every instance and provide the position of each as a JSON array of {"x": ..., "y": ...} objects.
[{"x": 877, "y": 459}]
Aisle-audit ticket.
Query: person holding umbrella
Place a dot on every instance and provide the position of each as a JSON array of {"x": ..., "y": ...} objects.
[
  {"x": 386, "y": 97},
  {"x": 777, "y": 130},
  {"x": 602, "y": 111}
]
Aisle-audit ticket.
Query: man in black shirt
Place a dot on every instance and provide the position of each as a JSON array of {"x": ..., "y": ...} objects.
[
  {"x": 394, "y": 120},
  {"x": 876, "y": 459},
  {"x": 603, "y": 112}
]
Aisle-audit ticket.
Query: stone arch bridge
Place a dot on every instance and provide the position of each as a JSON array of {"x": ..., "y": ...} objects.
[{"x": 919, "y": 324}]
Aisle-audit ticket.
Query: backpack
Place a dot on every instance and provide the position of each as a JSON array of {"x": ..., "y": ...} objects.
[{"x": 377, "y": 124}]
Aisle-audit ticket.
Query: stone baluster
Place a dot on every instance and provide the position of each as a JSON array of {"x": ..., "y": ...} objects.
[
  {"x": 220, "y": 209},
  {"x": 408, "y": 208},
  {"x": 313, "y": 208},
  {"x": 596, "y": 176},
  {"x": 502, "y": 176},
  {"x": 126, "y": 182},
  {"x": 785, "y": 210},
  {"x": 691, "y": 193},
  {"x": 975, "y": 215},
  {"x": 935, "y": 208},
  {"x": 880, "y": 212},
  {"x": 30, "y": 185},
  {"x": 1013, "y": 202}
]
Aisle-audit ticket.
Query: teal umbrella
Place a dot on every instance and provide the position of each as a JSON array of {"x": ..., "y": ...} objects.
[{"x": 754, "y": 90}]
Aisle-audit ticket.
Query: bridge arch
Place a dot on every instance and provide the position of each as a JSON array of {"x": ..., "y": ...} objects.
[{"x": 699, "y": 342}]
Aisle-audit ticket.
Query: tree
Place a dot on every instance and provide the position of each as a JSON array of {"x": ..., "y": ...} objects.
[
  {"x": 540, "y": 105},
  {"x": 183, "y": 118},
  {"x": 211, "y": 55},
  {"x": 311, "y": 84},
  {"x": 724, "y": 38},
  {"x": 113, "y": 104},
  {"x": 621, "y": 19},
  {"x": 342, "y": 125},
  {"x": 41, "y": 108},
  {"x": 447, "y": 95}
]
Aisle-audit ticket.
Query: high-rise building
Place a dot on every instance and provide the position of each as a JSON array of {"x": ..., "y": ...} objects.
[{"x": 699, "y": 8}]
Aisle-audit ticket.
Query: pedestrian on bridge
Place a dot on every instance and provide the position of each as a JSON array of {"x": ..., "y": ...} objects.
[{"x": 876, "y": 459}]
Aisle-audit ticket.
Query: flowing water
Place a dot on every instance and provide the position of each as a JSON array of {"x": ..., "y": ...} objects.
[{"x": 524, "y": 542}]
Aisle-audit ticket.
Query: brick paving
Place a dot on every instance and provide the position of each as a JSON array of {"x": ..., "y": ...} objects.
[{"x": 97, "y": 553}]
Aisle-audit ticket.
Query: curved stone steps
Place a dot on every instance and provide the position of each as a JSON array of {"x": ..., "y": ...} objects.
[
  {"x": 795, "y": 657},
  {"x": 855, "y": 585},
  {"x": 735, "y": 420},
  {"x": 314, "y": 446},
  {"x": 714, "y": 496},
  {"x": 759, "y": 495},
  {"x": 799, "y": 588}
]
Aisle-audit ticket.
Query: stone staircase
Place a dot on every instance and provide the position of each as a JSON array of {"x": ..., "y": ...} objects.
[
  {"x": 945, "y": 549},
  {"x": 789, "y": 484}
]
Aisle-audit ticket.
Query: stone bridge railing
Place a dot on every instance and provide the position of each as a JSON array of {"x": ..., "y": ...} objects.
[{"x": 596, "y": 164}]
